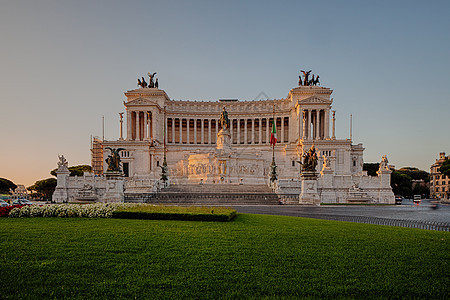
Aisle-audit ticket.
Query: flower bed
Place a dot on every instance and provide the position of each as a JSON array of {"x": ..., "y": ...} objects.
[
  {"x": 4, "y": 211},
  {"x": 121, "y": 210},
  {"x": 95, "y": 210}
]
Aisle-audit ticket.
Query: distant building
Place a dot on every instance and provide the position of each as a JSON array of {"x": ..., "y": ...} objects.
[
  {"x": 20, "y": 192},
  {"x": 439, "y": 184}
]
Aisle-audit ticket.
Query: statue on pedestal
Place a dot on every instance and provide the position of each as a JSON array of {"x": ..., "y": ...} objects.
[
  {"x": 224, "y": 121},
  {"x": 384, "y": 163},
  {"x": 309, "y": 163},
  {"x": 306, "y": 81},
  {"x": 306, "y": 74},
  {"x": 113, "y": 160},
  {"x": 62, "y": 164},
  {"x": 143, "y": 83},
  {"x": 151, "y": 84},
  {"x": 309, "y": 194}
]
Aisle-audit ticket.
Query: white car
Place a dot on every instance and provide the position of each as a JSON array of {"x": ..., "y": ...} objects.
[
  {"x": 3, "y": 203},
  {"x": 22, "y": 202}
]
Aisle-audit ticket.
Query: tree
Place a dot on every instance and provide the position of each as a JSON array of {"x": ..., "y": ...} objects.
[
  {"x": 76, "y": 170},
  {"x": 402, "y": 182},
  {"x": 445, "y": 168},
  {"x": 6, "y": 185},
  {"x": 371, "y": 168},
  {"x": 44, "y": 188},
  {"x": 415, "y": 173}
]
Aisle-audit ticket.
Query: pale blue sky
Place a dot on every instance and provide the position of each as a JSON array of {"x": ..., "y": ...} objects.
[{"x": 65, "y": 64}]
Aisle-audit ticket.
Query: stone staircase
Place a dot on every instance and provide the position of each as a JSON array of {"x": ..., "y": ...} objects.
[{"x": 208, "y": 194}]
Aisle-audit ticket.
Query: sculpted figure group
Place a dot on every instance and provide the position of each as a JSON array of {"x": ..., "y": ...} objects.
[
  {"x": 113, "y": 159},
  {"x": 143, "y": 84},
  {"x": 306, "y": 81},
  {"x": 309, "y": 163}
]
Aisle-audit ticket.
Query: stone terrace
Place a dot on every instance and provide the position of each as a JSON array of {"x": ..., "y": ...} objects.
[{"x": 208, "y": 194}]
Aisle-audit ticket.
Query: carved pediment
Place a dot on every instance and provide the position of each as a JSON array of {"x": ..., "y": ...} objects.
[
  {"x": 140, "y": 101},
  {"x": 314, "y": 100}
]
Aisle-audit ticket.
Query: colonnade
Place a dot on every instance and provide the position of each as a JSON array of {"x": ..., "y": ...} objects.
[
  {"x": 243, "y": 131},
  {"x": 140, "y": 126},
  {"x": 315, "y": 124}
]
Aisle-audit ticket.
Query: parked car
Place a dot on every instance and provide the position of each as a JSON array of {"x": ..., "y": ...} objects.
[
  {"x": 22, "y": 202},
  {"x": 3, "y": 203}
]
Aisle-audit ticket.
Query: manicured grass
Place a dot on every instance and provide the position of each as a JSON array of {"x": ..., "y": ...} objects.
[
  {"x": 253, "y": 256},
  {"x": 190, "y": 213}
]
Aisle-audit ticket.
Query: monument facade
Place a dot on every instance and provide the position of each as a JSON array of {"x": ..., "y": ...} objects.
[{"x": 229, "y": 142}]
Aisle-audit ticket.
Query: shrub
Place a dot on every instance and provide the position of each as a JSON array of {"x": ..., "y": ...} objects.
[
  {"x": 152, "y": 212},
  {"x": 4, "y": 211},
  {"x": 95, "y": 210},
  {"x": 123, "y": 211}
]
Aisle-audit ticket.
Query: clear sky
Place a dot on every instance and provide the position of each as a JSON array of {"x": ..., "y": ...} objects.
[{"x": 65, "y": 64}]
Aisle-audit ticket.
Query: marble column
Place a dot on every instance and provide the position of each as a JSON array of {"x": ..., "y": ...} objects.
[
  {"x": 166, "y": 128},
  {"x": 245, "y": 131},
  {"x": 209, "y": 131},
  {"x": 267, "y": 130},
  {"x": 129, "y": 126},
  {"x": 153, "y": 126},
  {"x": 304, "y": 124},
  {"x": 202, "y": 136},
  {"x": 309, "y": 124},
  {"x": 327, "y": 123},
  {"x": 231, "y": 130},
  {"x": 145, "y": 137},
  {"x": 253, "y": 131},
  {"x": 316, "y": 125},
  {"x": 195, "y": 131},
  {"x": 238, "y": 131},
  {"x": 300, "y": 123},
  {"x": 173, "y": 130},
  {"x": 334, "y": 125},
  {"x": 188, "y": 124},
  {"x": 282, "y": 130},
  {"x": 138, "y": 133},
  {"x": 181, "y": 130},
  {"x": 260, "y": 131}
]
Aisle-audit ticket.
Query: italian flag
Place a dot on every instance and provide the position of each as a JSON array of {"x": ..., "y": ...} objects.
[{"x": 273, "y": 136}]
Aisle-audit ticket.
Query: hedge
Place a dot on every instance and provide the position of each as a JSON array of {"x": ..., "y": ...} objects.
[{"x": 135, "y": 214}]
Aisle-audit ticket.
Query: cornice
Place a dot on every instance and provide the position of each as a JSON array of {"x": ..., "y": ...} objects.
[
  {"x": 311, "y": 90},
  {"x": 146, "y": 92},
  {"x": 314, "y": 100}
]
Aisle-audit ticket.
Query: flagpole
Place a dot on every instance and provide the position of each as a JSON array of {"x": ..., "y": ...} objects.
[
  {"x": 273, "y": 166},
  {"x": 164, "y": 166},
  {"x": 273, "y": 124}
]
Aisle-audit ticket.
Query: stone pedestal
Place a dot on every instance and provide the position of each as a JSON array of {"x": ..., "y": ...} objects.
[
  {"x": 114, "y": 187},
  {"x": 309, "y": 195},
  {"x": 385, "y": 194},
  {"x": 60, "y": 194},
  {"x": 224, "y": 140},
  {"x": 328, "y": 192}
]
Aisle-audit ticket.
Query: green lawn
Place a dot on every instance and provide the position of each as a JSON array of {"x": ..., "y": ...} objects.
[{"x": 252, "y": 256}]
